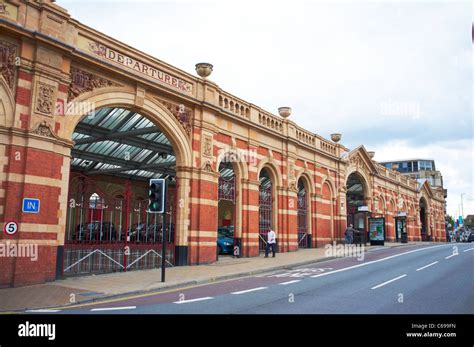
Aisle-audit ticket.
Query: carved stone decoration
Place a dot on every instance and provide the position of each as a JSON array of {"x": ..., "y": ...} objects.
[
  {"x": 207, "y": 146},
  {"x": 358, "y": 162},
  {"x": 97, "y": 48},
  {"x": 343, "y": 189},
  {"x": 400, "y": 203},
  {"x": 293, "y": 185},
  {"x": 291, "y": 171},
  {"x": 183, "y": 114},
  {"x": 84, "y": 81},
  {"x": 44, "y": 129},
  {"x": 45, "y": 98},
  {"x": 8, "y": 54},
  {"x": 207, "y": 166}
]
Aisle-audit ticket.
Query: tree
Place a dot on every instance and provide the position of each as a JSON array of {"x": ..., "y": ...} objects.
[{"x": 449, "y": 220}]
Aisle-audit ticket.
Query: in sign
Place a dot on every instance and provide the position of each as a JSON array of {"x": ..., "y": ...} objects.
[{"x": 31, "y": 205}]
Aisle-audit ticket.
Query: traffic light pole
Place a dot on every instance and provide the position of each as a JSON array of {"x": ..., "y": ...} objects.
[{"x": 163, "y": 241}]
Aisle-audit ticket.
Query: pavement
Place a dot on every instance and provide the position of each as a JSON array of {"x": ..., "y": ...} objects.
[{"x": 94, "y": 288}]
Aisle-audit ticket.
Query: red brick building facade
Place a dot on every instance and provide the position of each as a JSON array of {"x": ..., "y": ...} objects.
[{"x": 50, "y": 64}]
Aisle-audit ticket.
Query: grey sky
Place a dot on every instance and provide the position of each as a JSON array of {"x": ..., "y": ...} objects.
[{"x": 394, "y": 76}]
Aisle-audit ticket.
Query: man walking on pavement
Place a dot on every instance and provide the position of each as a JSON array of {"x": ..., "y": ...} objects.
[
  {"x": 349, "y": 233},
  {"x": 271, "y": 242}
]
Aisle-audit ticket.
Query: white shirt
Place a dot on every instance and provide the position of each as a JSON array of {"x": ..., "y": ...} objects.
[{"x": 271, "y": 236}]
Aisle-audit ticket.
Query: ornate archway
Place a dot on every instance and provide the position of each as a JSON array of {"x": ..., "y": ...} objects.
[
  {"x": 155, "y": 139},
  {"x": 304, "y": 214},
  {"x": 268, "y": 205},
  {"x": 357, "y": 203},
  {"x": 235, "y": 161},
  {"x": 150, "y": 107},
  {"x": 424, "y": 220}
]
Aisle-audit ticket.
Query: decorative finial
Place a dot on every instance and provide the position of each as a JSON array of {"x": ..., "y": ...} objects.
[
  {"x": 204, "y": 69},
  {"x": 336, "y": 137},
  {"x": 284, "y": 111}
]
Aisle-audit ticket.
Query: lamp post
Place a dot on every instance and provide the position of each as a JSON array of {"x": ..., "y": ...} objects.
[{"x": 462, "y": 205}]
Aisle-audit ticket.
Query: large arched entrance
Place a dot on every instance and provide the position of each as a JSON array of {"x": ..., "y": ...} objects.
[
  {"x": 304, "y": 238},
  {"x": 108, "y": 225},
  {"x": 357, "y": 209},
  {"x": 265, "y": 207},
  {"x": 227, "y": 196},
  {"x": 425, "y": 236}
]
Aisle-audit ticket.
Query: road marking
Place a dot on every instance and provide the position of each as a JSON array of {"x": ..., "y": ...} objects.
[
  {"x": 390, "y": 281},
  {"x": 301, "y": 272},
  {"x": 289, "y": 282},
  {"x": 193, "y": 300},
  {"x": 450, "y": 256},
  {"x": 113, "y": 308},
  {"x": 424, "y": 267},
  {"x": 249, "y": 290},
  {"x": 469, "y": 249},
  {"x": 42, "y": 311},
  {"x": 375, "y": 261}
]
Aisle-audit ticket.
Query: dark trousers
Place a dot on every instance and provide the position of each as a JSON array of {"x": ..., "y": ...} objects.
[{"x": 267, "y": 248}]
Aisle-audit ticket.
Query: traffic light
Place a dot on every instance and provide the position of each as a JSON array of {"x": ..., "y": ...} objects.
[{"x": 157, "y": 195}]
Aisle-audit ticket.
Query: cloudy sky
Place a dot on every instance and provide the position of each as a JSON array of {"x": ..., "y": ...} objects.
[{"x": 394, "y": 76}]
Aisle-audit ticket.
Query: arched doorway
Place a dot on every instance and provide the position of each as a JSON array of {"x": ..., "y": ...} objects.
[
  {"x": 226, "y": 216},
  {"x": 425, "y": 236},
  {"x": 265, "y": 201},
  {"x": 357, "y": 209},
  {"x": 304, "y": 240},
  {"x": 108, "y": 225}
]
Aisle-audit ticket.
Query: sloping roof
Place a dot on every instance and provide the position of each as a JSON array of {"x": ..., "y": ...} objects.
[
  {"x": 365, "y": 155},
  {"x": 421, "y": 182},
  {"x": 123, "y": 143}
]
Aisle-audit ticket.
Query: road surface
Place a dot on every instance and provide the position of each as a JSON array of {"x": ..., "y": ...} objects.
[{"x": 426, "y": 279}]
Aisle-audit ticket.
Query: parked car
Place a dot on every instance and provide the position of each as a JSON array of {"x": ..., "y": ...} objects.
[
  {"x": 150, "y": 233},
  {"x": 225, "y": 240},
  {"x": 470, "y": 238},
  {"x": 463, "y": 235},
  {"x": 95, "y": 231}
]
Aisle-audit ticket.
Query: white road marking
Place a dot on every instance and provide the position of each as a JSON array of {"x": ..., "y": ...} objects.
[
  {"x": 387, "y": 282},
  {"x": 301, "y": 272},
  {"x": 193, "y": 300},
  {"x": 113, "y": 308},
  {"x": 289, "y": 282},
  {"x": 424, "y": 267},
  {"x": 469, "y": 249},
  {"x": 450, "y": 256},
  {"x": 42, "y": 311},
  {"x": 375, "y": 261},
  {"x": 249, "y": 290}
]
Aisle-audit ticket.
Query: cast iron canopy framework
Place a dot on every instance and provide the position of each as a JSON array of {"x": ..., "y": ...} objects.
[{"x": 123, "y": 143}]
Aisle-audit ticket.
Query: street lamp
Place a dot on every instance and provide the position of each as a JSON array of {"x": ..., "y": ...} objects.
[{"x": 462, "y": 205}]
